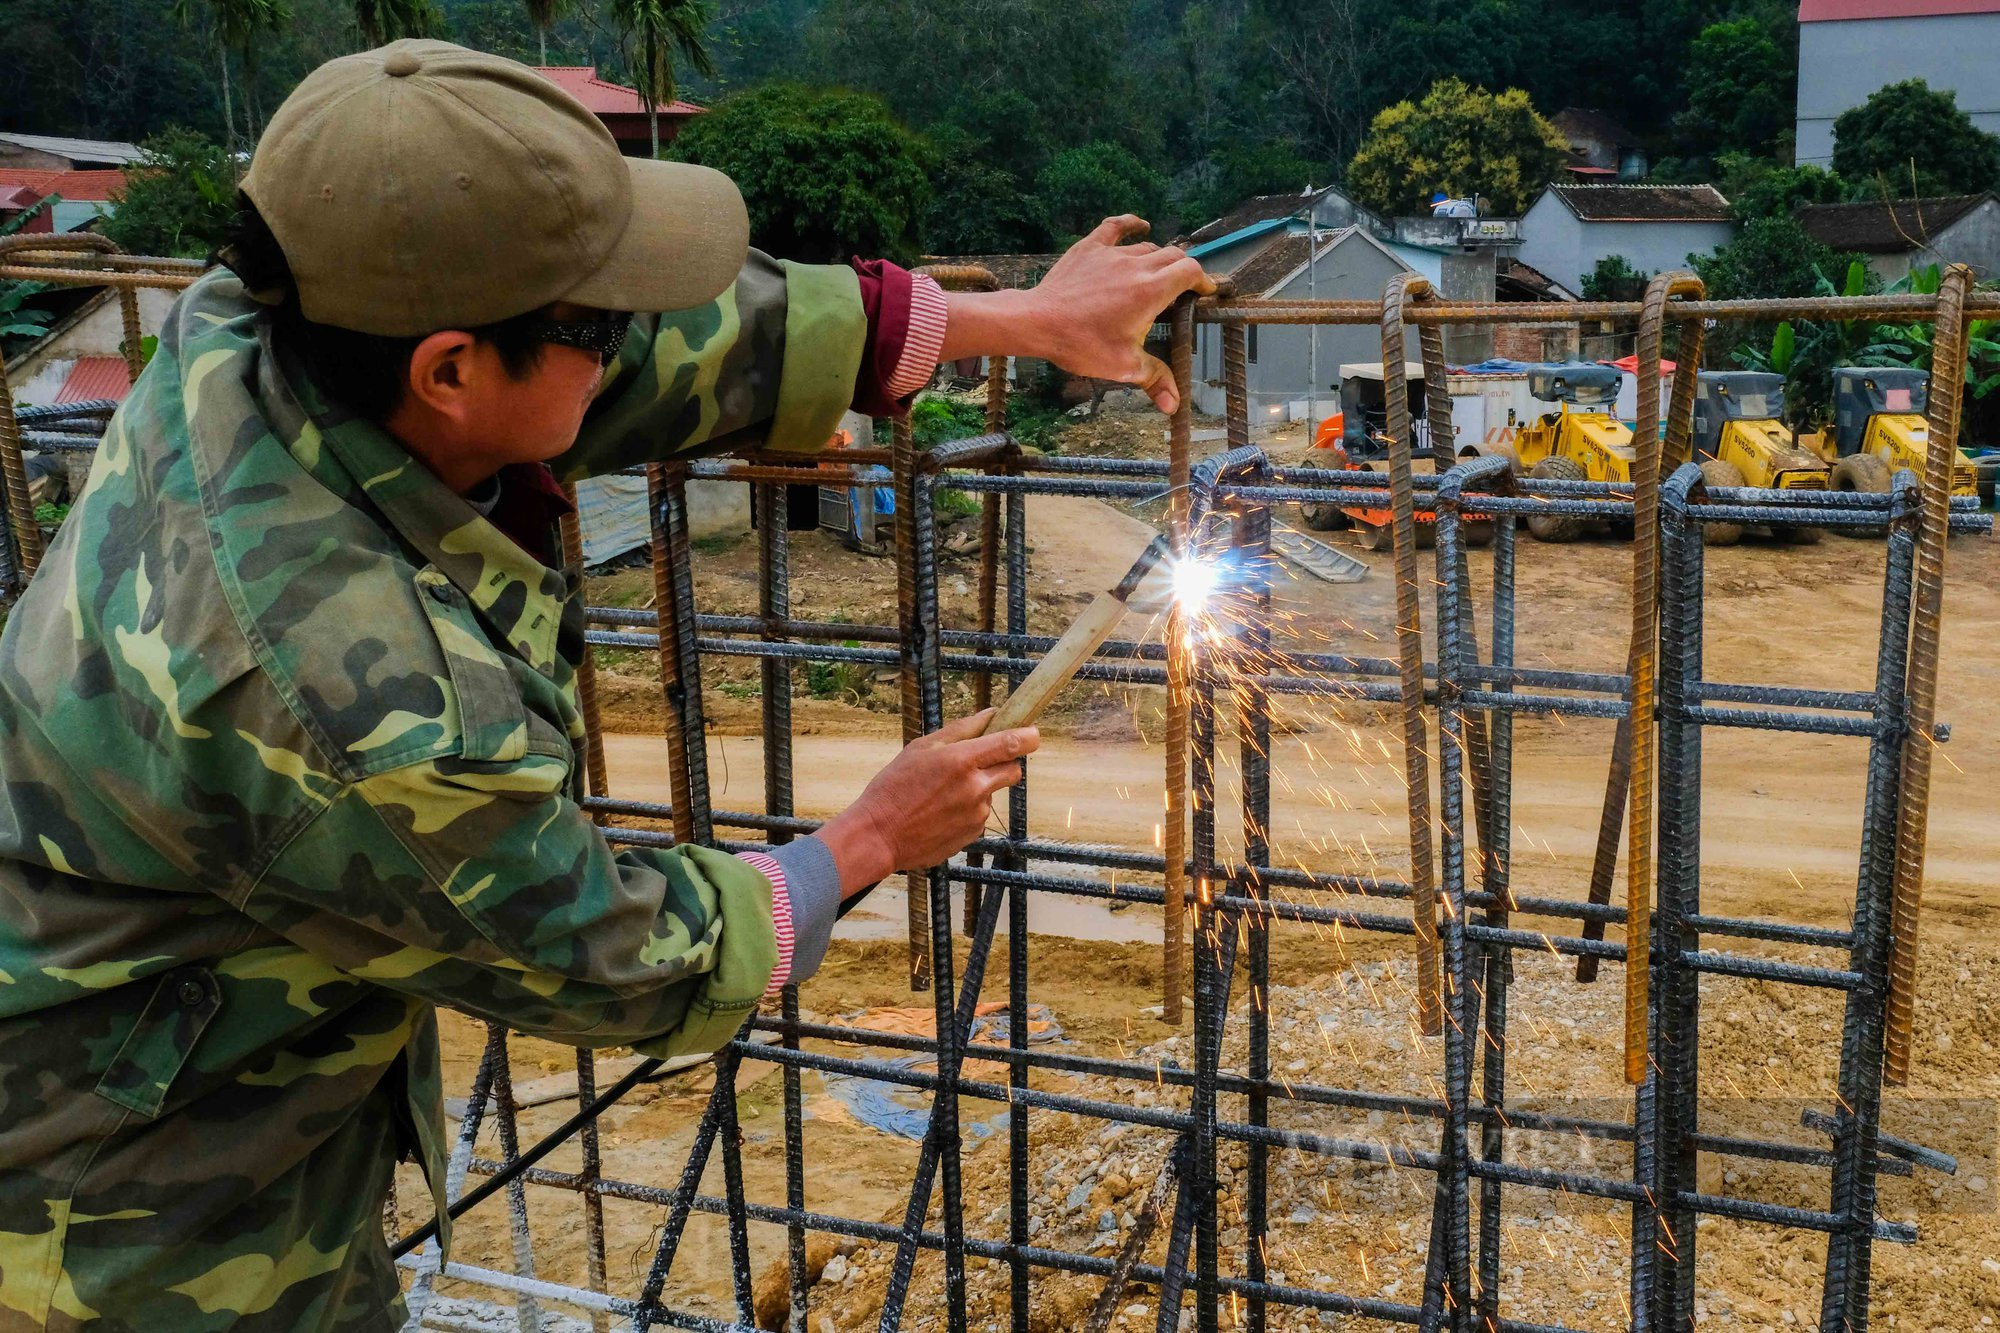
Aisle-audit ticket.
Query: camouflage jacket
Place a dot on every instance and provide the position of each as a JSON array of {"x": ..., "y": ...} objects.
[{"x": 287, "y": 757}]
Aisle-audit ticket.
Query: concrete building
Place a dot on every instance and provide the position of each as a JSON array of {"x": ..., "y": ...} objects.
[
  {"x": 1293, "y": 367},
  {"x": 1655, "y": 227},
  {"x": 1850, "y": 48},
  {"x": 1913, "y": 233}
]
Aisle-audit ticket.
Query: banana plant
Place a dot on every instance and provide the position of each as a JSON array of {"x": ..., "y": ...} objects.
[{"x": 18, "y": 319}]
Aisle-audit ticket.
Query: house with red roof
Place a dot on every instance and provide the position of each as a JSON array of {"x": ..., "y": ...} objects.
[
  {"x": 1850, "y": 48},
  {"x": 621, "y": 109},
  {"x": 80, "y": 197}
]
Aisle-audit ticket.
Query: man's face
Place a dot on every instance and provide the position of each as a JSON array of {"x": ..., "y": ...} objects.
[
  {"x": 467, "y": 415},
  {"x": 536, "y": 417}
]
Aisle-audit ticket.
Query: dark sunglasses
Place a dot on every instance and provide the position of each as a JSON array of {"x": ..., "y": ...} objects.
[{"x": 603, "y": 335}]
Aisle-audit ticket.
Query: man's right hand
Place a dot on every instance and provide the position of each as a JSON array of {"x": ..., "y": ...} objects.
[{"x": 928, "y": 803}]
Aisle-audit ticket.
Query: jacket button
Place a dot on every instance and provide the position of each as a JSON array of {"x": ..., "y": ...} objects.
[
  {"x": 440, "y": 592},
  {"x": 192, "y": 994}
]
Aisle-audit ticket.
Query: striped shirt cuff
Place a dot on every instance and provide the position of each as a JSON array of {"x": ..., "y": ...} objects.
[
  {"x": 924, "y": 340},
  {"x": 781, "y": 917}
]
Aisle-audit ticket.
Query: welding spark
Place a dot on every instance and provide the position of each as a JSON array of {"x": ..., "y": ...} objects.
[{"x": 1194, "y": 582}]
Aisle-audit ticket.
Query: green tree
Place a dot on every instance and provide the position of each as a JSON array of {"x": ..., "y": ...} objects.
[
  {"x": 977, "y": 207},
  {"x": 239, "y": 26},
  {"x": 1740, "y": 88},
  {"x": 1771, "y": 256},
  {"x": 658, "y": 32},
  {"x": 1759, "y": 188},
  {"x": 1614, "y": 279},
  {"x": 179, "y": 198},
  {"x": 1240, "y": 171},
  {"x": 388, "y": 20},
  {"x": 1460, "y": 139},
  {"x": 1083, "y": 186},
  {"x": 545, "y": 14},
  {"x": 825, "y": 174},
  {"x": 1908, "y": 139}
]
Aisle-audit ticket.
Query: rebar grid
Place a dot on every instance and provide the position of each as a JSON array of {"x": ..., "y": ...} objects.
[{"x": 1228, "y": 502}]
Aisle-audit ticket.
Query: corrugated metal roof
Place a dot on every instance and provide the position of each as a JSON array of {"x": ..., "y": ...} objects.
[
  {"x": 77, "y": 150},
  {"x": 1832, "y": 11},
  {"x": 601, "y": 97},
  {"x": 94, "y": 377}
]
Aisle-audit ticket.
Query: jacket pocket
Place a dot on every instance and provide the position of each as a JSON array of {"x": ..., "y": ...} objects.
[
  {"x": 493, "y": 721},
  {"x": 144, "y": 1070}
]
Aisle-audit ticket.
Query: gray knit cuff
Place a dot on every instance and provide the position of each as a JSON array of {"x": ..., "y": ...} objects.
[{"x": 814, "y": 883}]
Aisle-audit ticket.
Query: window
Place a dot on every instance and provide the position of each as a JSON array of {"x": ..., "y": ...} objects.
[{"x": 1251, "y": 333}]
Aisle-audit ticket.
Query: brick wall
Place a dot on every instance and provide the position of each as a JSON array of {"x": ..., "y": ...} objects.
[{"x": 1535, "y": 342}]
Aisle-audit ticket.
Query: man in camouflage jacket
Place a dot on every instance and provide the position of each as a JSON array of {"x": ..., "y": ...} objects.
[{"x": 287, "y": 722}]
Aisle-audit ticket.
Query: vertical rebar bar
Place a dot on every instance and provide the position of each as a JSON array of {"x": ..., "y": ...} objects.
[
  {"x": 527, "y": 1314},
  {"x": 14, "y": 475},
  {"x": 1497, "y": 881},
  {"x": 1018, "y": 1197},
  {"x": 1858, "y": 1106},
  {"x": 1253, "y": 736},
  {"x": 774, "y": 605},
  {"x": 598, "y": 781},
  {"x": 903, "y": 469},
  {"x": 1927, "y": 610},
  {"x": 1676, "y": 998},
  {"x": 1211, "y": 983},
  {"x": 1405, "y": 287},
  {"x": 1642, "y": 663},
  {"x": 1174, "y": 815},
  {"x": 1447, "y": 1295},
  {"x": 680, "y": 665}
]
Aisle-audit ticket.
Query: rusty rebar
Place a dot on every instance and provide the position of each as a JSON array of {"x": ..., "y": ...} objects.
[
  {"x": 1906, "y": 889},
  {"x": 1642, "y": 658},
  {"x": 668, "y": 554},
  {"x": 1180, "y": 671},
  {"x": 595, "y": 776},
  {"x": 903, "y": 471},
  {"x": 1403, "y": 289}
]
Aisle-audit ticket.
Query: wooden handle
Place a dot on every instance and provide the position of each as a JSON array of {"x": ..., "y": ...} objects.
[{"x": 1059, "y": 665}]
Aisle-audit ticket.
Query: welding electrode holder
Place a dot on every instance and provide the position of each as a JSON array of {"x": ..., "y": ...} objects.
[{"x": 1063, "y": 660}]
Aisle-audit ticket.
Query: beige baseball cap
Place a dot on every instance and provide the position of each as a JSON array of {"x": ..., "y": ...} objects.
[{"x": 421, "y": 186}]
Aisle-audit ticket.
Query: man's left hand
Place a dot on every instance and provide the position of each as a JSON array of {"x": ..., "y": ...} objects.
[{"x": 1090, "y": 314}]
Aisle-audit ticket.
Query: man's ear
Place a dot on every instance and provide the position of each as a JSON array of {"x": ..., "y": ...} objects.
[{"x": 441, "y": 370}]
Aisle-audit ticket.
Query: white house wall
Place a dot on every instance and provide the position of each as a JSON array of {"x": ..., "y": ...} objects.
[
  {"x": 1281, "y": 376},
  {"x": 1841, "y": 63},
  {"x": 1556, "y": 242}
]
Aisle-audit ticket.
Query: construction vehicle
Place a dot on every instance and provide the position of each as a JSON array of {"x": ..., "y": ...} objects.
[
  {"x": 1582, "y": 440},
  {"x": 1740, "y": 439},
  {"x": 1879, "y": 429},
  {"x": 1354, "y": 440}
]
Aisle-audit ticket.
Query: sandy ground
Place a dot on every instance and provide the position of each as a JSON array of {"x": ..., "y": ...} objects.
[{"x": 1779, "y": 839}]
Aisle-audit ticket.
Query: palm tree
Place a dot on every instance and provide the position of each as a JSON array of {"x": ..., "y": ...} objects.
[
  {"x": 660, "y": 29},
  {"x": 386, "y": 20},
  {"x": 545, "y": 14},
  {"x": 237, "y": 24}
]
